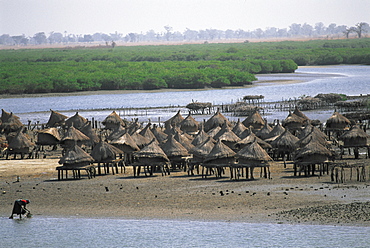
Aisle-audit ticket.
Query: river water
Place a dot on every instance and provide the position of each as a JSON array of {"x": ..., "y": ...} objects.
[
  {"x": 80, "y": 232},
  {"x": 346, "y": 79}
]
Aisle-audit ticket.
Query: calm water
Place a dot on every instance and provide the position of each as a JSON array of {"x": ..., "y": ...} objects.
[
  {"x": 68, "y": 232},
  {"x": 347, "y": 79}
]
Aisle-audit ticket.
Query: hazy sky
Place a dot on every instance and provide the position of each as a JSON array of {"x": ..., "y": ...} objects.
[{"x": 124, "y": 16}]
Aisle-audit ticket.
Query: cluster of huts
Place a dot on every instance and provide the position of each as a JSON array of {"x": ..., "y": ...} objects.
[{"x": 182, "y": 143}]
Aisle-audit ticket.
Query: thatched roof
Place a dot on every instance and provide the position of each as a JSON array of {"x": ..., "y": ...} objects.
[
  {"x": 173, "y": 148},
  {"x": 104, "y": 152},
  {"x": 77, "y": 121},
  {"x": 184, "y": 141},
  {"x": 174, "y": 120},
  {"x": 152, "y": 151},
  {"x": 337, "y": 121},
  {"x": 48, "y": 136},
  {"x": 11, "y": 123},
  {"x": 300, "y": 114},
  {"x": 315, "y": 136},
  {"x": 255, "y": 120},
  {"x": 200, "y": 137},
  {"x": 286, "y": 142},
  {"x": 56, "y": 119},
  {"x": 198, "y": 105},
  {"x": 4, "y": 115},
  {"x": 126, "y": 143},
  {"x": 226, "y": 135},
  {"x": 203, "y": 149},
  {"x": 308, "y": 129},
  {"x": 251, "y": 137},
  {"x": 76, "y": 156},
  {"x": 355, "y": 136},
  {"x": 189, "y": 125},
  {"x": 293, "y": 121},
  {"x": 264, "y": 132},
  {"x": 113, "y": 120},
  {"x": 140, "y": 140},
  {"x": 147, "y": 133},
  {"x": 159, "y": 134},
  {"x": 89, "y": 132},
  {"x": 219, "y": 152},
  {"x": 20, "y": 141},
  {"x": 254, "y": 154},
  {"x": 214, "y": 131},
  {"x": 311, "y": 151},
  {"x": 239, "y": 128},
  {"x": 118, "y": 132},
  {"x": 217, "y": 120},
  {"x": 276, "y": 131},
  {"x": 74, "y": 134}
]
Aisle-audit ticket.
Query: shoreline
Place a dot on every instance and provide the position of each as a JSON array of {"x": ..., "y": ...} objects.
[{"x": 179, "y": 196}]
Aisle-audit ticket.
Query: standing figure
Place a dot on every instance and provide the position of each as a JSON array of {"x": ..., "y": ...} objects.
[{"x": 20, "y": 208}]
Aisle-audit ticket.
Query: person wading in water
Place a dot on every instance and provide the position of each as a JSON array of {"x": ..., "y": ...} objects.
[{"x": 20, "y": 208}]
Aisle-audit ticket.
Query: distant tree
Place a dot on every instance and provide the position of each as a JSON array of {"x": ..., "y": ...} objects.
[
  {"x": 360, "y": 28},
  {"x": 88, "y": 38},
  {"x": 168, "y": 32},
  {"x": 319, "y": 28},
  {"x": 40, "y": 38},
  {"x": 106, "y": 37},
  {"x": 17, "y": 39},
  {"x": 116, "y": 36},
  {"x": 295, "y": 29},
  {"x": 55, "y": 37},
  {"x": 347, "y": 32},
  {"x": 132, "y": 37},
  {"x": 259, "y": 33},
  {"x": 307, "y": 29}
]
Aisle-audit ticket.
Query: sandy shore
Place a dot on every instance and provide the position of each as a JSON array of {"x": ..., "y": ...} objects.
[{"x": 281, "y": 199}]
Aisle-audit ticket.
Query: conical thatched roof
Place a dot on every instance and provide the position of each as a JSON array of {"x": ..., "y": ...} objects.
[
  {"x": 239, "y": 128},
  {"x": 104, "y": 152},
  {"x": 189, "y": 125},
  {"x": 152, "y": 151},
  {"x": 254, "y": 155},
  {"x": 251, "y": 137},
  {"x": 174, "y": 120},
  {"x": 11, "y": 123},
  {"x": 48, "y": 136},
  {"x": 220, "y": 153},
  {"x": 126, "y": 143},
  {"x": 275, "y": 132},
  {"x": 118, "y": 132},
  {"x": 147, "y": 133},
  {"x": 255, "y": 120},
  {"x": 89, "y": 132},
  {"x": 77, "y": 121},
  {"x": 159, "y": 134},
  {"x": 56, "y": 119},
  {"x": 140, "y": 140},
  {"x": 293, "y": 122},
  {"x": 337, "y": 122},
  {"x": 315, "y": 136},
  {"x": 214, "y": 131},
  {"x": 264, "y": 132},
  {"x": 183, "y": 140},
  {"x": 76, "y": 156},
  {"x": 113, "y": 120},
  {"x": 313, "y": 152},
  {"x": 173, "y": 148},
  {"x": 200, "y": 137},
  {"x": 217, "y": 120},
  {"x": 308, "y": 129},
  {"x": 74, "y": 135},
  {"x": 300, "y": 114},
  {"x": 20, "y": 141},
  {"x": 355, "y": 137},
  {"x": 4, "y": 115},
  {"x": 286, "y": 142},
  {"x": 227, "y": 136},
  {"x": 203, "y": 149}
]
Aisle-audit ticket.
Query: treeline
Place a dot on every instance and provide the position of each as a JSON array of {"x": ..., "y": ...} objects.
[
  {"x": 168, "y": 34},
  {"x": 154, "y": 67}
]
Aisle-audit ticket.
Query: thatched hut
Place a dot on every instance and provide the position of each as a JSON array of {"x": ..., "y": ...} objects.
[
  {"x": 308, "y": 156},
  {"x": 315, "y": 135},
  {"x": 4, "y": 115},
  {"x": 20, "y": 144},
  {"x": 264, "y": 132},
  {"x": 217, "y": 120},
  {"x": 337, "y": 123},
  {"x": 221, "y": 156},
  {"x": 355, "y": 138},
  {"x": 147, "y": 133},
  {"x": 74, "y": 136},
  {"x": 249, "y": 138},
  {"x": 300, "y": 114},
  {"x": 56, "y": 119},
  {"x": 176, "y": 153},
  {"x": 77, "y": 121},
  {"x": 255, "y": 120},
  {"x": 253, "y": 155},
  {"x": 112, "y": 121},
  {"x": 116, "y": 133},
  {"x": 201, "y": 150},
  {"x": 10, "y": 123},
  {"x": 159, "y": 134},
  {"x": 285, "y": 144},
  {"x": 200, "y": 137},
  {"x": 107, "y": 154},
  {"x": 276, "y": 131},
  {"x": 48, "y": 136},
  {"x": 150, "y": 157},
  {"x": 189, "y": 125},
  {"x": 183, "y": 139},
  {"x": 199, "y": 107},
  {"x": 126, "y": 144},
  {"x": 239, "y": 128},
  {"x": 293, "y": 122},
  {"x": 140, "y": 140},
  {"x": 227, "y": 136},
  {"x": 214, "y": 131},
  {"x": 90, "y": 132},
  {"x": 174, "y": 120}
]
